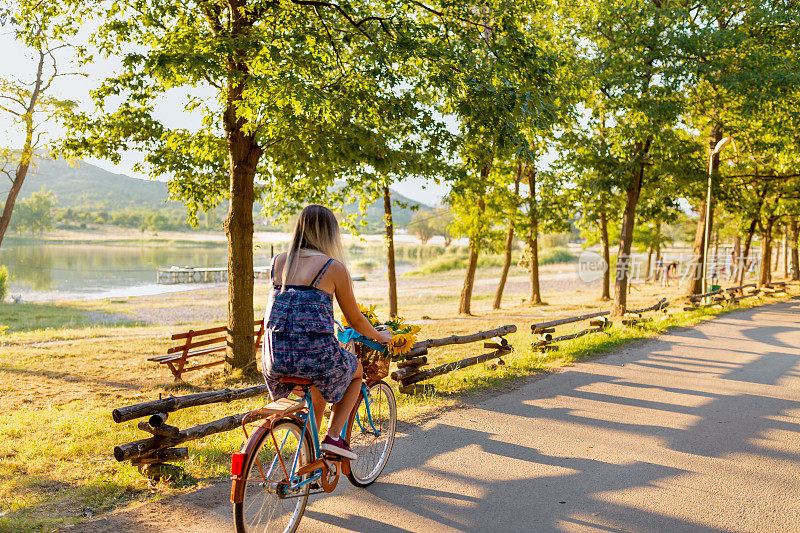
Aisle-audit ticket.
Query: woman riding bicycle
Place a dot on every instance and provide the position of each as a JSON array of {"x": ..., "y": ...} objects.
[{"x": 299, "y": 339}]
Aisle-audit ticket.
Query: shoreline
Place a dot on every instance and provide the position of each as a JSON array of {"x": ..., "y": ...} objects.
[{"x": 114, "y": 236}]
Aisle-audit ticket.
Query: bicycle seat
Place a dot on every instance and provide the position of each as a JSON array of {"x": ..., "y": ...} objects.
[{"x": 301, "y": 382}]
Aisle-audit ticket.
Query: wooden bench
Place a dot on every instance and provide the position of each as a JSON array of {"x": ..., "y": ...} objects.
[{"x": 204, "y": 342}]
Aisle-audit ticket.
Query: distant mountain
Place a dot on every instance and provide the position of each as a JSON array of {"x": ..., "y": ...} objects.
[{"x": 87, "y": 187}]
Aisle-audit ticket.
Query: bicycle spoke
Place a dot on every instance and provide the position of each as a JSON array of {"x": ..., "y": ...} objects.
[
  {"x": 265, "y": 507},
  {"x": 373, "y": 434}
]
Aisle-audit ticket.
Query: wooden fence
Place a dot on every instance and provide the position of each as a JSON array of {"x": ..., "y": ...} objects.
[
  {"x": 154, "y": 453},
  {"x": 411, "y": 371},
  {"x": 599, "y": 321}
]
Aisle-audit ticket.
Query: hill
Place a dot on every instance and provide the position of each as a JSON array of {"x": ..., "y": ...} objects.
[{"x": 89, "y": 188}]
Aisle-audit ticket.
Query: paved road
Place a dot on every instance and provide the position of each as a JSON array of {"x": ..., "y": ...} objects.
[{"x": 696, "y": 430}]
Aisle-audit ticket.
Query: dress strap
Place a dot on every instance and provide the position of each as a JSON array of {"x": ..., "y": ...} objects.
[
  {"x": 321, "y": 273},
  {"x": 272, "y": 270}
]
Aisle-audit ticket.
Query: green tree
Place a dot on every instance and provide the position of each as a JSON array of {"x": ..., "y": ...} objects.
[
  {"x": 292, "y": 85},
  {"x": 36, "y": 213},
  {"x": 421, "y": 226},
  {"x": 45, "y": 28},
  {"x": 440, "y": 222},
  {"x": 628, "y": 58},
  {"x": 512, "y": 206},
  {"x": 499, "y": 83},
  {"x": 400, "y": 139},
  {"x": 740, "y": 62},
  {"x": 549, "y": 210},
  {"x": 3, "y": 283}
]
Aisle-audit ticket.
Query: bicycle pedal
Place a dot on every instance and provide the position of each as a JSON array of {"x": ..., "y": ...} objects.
[{"x": 331, "y": 456}]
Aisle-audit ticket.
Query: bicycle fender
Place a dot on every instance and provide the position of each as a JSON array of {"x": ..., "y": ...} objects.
[{"x": 238, "y": 482}]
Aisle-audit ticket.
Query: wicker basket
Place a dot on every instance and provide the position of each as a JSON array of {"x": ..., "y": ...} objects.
[{"x": 376, "y": 364}]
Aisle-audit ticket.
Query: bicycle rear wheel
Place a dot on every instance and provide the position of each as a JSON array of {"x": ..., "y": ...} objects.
[
  {"x": 268, "y": 504},
  {"x": 372, "y": 441}
]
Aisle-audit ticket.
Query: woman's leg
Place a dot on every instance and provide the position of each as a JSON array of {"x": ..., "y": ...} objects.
[
  {"x": 341, "y": 409},
  {"x": 319, "y": 406}
]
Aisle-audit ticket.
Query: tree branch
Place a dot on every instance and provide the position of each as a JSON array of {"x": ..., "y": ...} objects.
[
  {"x": 15, "y": 100},
  {"x": 8, "y": 110},
  {"x": 330, "y": 38},
  {"x": 340, "y": 9},
  {"x": 212, "y": 16},
  {"x": 442, "y": 15}
]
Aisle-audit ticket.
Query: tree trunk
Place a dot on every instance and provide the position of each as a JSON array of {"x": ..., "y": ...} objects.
[
  {"x": 795, "y": 259},
  {"x": 509, "y": 239},
  {"x": 659, "y": 261},
  {"x": 243, "y": 155},
  {"x": 606, "y": 256},
  {"x": 626, "y": 234},
  {"x": 785, "y": 251},
  {"x": 387, "y": 210},
  {"x": 745, "y": 266},
  {"x": 27, "y": 147},
  {"x": 748, "y": 240},
  {"x": 735, "y": 257},
  {"x": 698, "y": 251},
  {"x": 716, "y": 249},
  {"x": 535, "y": 296},
  {"x": 774, "y": 264},
  {"x": 765, "y": 272},
  {"x": 466, "y": 291},
  {"x": 240, "y": 353},
  {"x": 464, "y": 304},
  {"x": 16, "y": 186},
  {"x": 649, "y": 262},
  {"x": 657, "y": 250},
  {"x": 695, "y": 273}
]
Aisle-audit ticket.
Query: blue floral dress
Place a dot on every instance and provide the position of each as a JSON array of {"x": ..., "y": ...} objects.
[{"x": 299, "y": 341}]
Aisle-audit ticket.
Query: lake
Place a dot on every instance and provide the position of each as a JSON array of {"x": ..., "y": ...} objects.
[{"x": 51, "y": 271}]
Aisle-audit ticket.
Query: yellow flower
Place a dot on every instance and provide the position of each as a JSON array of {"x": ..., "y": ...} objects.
[
  {"x": 402, "y": 343},
  {"x": 368, "y": 312}
]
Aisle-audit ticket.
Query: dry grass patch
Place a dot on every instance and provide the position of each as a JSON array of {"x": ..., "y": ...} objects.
[{"x": 58, "y": 387}]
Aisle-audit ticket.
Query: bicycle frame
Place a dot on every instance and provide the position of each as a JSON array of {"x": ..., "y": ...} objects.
[{"x": 309, "y": 426}]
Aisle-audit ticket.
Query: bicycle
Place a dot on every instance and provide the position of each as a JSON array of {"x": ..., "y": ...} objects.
[{"x": 281, "y": 463}]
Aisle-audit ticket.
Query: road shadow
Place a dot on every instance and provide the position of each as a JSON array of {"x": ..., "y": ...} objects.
[{"x": 695, "y": 406}]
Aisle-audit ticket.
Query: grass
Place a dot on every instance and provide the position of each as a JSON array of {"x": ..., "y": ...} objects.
[
  {"x": 56, "y": 466},
  {"x": 459, "y": 260},
  {"x": 33, "y": 317},
  {"x": 554, "y": 256},
  {"x": 448, "y": 263}
]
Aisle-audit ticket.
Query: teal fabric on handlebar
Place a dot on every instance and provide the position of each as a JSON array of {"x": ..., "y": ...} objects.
[{"x": 349, "y": 334}]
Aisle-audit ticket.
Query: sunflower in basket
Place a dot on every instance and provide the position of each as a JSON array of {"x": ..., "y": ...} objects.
[
  {"x": 403, "y": 339},
  {"x": 369, "y": 314}
]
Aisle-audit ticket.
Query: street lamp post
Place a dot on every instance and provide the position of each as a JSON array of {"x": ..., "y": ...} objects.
[{"x": 706, "y": 237}]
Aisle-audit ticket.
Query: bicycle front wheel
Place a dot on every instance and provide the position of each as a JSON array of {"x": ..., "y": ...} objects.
[
  {"x": 270, "y": 503},
  {"x": 371, "y": 434}
]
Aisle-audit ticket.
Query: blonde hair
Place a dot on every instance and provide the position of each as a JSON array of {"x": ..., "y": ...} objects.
[{"x": 316, "y": 229}]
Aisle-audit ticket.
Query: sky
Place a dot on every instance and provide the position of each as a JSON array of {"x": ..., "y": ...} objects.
[{"x": 19, "y": 63}]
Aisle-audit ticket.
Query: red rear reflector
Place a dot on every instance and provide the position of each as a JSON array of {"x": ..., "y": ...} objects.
[{"x": 237, "y": 463}]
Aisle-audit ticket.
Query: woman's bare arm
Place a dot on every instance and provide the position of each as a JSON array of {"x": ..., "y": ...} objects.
[{"x": 343, "y": 289}]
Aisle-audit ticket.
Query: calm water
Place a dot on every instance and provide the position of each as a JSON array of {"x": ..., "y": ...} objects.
[{"x": 46, "y": 272}]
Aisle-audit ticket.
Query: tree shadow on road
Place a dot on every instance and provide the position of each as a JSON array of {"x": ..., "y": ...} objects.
[{"x": 691, "y": 413}]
